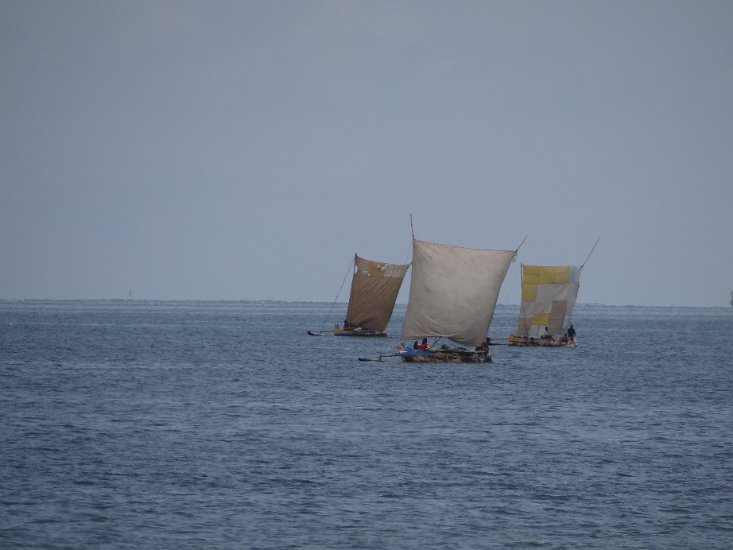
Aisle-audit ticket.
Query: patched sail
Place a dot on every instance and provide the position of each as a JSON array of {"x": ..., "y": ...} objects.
[
  {"x": 374, "y": 289},
  {"x": 453, "y": 291},
  {"x": 548, "y": 299}
]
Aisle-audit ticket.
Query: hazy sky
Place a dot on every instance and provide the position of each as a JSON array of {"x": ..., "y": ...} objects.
[{"x": 247, "y": 149}]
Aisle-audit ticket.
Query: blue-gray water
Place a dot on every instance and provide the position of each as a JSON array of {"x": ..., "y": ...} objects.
[{"x": 223, "y": 425}]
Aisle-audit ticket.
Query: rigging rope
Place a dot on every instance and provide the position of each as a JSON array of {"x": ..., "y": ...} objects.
[
  {"x": 407, "y": 254},
  {"x": 350, "y": 268},
  {"x": 510, "y": 291}
]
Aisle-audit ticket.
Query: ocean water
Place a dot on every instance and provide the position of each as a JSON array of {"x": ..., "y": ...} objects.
[{"x": 128, "y": 424}]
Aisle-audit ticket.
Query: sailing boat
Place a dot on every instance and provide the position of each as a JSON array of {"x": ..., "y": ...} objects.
[
  {"x": 453, "y": 293},
  {"x": 548, "y": 298},
  {"x": 374, "y": 289}
]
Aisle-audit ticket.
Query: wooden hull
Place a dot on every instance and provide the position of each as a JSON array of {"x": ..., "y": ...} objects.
[
  {"x": 523, "y": 341},
  {"x": 358, "y": 332},
  {"x": 443, "y": 356}
]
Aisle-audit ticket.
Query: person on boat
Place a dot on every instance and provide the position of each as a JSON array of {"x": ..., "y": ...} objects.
[
  {"x": 546, "y": 334},
  {"x": 346, "y": 324},
  {"x": 416, "y": 345},
  {"x": 571, "y": 332},
  {"x": 423, "y": 344}
]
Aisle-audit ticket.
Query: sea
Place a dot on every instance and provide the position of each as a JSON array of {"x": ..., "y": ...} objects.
[{"x": 177, "y": 424}]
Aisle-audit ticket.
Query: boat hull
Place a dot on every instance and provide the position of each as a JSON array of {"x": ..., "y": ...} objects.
[
  {"x": 358, "y": 332},
  {"x": 525, "y": 341},
  {"x": 444, "y": 356}
]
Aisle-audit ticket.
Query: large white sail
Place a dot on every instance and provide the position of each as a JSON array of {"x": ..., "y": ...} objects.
[
  {"x": 548, "y": 299},
  {"x": 453, "y": 291},
  {"x": 374, "y": 289}
]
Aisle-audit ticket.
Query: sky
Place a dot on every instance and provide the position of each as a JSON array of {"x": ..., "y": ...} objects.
[{"x": 246, "y": 150}]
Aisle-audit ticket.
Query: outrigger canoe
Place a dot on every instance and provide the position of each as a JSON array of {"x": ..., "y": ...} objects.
[
  {"x": 338, "y": 331},
  {"x": 444, "y": 355},
  {"x": 527, "y": 341}
]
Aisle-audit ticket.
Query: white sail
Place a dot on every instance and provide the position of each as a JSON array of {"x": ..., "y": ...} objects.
[
  {"x": 453, "y": 291},
  {"x": 548, "y": 299}
]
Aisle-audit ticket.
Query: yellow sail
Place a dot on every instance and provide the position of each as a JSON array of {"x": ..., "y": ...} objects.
[{"x": 548, "y": 299}]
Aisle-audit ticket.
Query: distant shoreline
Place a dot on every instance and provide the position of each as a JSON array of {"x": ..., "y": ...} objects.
[{"x": 152, "y": 301}]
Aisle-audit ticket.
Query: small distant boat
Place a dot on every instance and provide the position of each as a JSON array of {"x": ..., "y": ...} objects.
[
  {"x": 548, "y": 298},
  {"x": 374, "y": 289},
  {"x": 453, "y": 294}
]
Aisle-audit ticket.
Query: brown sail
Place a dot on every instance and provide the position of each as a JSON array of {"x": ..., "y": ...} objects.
[{"x": 374, "y": 289}]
